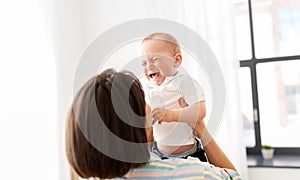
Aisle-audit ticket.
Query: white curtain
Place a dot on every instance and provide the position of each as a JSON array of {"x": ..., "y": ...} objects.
[
  {"x": 28, "y": 114},
  {"x": 77, "y": 23}
]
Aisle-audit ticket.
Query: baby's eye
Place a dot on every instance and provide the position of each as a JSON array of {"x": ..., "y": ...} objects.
[
  {"x": 144, "y": 63},
  {"x": 154, "y": 59}
]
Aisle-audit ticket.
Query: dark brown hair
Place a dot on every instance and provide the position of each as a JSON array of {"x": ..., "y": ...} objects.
[{"x": 93, "y": 111}]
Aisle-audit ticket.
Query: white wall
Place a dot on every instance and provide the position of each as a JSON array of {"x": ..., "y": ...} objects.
[{"x": 273, "y": 173}]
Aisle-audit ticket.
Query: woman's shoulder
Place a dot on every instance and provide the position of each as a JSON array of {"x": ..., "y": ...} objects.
[{"x": 180, "y": 168}]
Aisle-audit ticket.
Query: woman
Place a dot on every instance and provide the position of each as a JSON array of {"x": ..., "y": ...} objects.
[{"x": 107, "y": 135}]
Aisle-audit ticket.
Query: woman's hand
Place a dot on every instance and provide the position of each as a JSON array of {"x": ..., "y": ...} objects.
[{"x": 182, "y": 103}]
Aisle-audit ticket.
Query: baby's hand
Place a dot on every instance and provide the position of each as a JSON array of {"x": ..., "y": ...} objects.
[{"x": 161, "y": 114}]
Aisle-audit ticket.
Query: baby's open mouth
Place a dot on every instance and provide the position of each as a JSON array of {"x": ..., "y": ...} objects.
[{"x": 153, "y": 75}]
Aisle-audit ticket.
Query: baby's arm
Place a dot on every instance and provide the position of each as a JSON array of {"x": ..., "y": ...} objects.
[
  {"x": 214, "y": 153},
  {"x": 189, "y": 114}
]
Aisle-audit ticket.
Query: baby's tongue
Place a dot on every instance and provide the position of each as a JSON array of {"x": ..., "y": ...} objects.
[{"x": 156, "y": 75}]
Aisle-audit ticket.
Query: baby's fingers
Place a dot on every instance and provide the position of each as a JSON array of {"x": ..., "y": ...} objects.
[{"x": 157, "y": 115}]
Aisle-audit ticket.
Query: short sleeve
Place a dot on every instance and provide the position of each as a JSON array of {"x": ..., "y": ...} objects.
[{"x": 190, "y": 89}]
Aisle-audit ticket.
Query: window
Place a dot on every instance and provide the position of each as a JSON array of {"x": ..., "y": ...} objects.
[
  {"x": 268, "y": 41},
  {"x": 278, "y": 94}
]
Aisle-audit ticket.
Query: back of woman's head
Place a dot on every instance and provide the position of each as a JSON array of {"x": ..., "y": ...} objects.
[{"x": 105, "y": 132}]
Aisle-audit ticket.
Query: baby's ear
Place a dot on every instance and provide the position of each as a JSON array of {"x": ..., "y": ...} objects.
[{"x": 178, "y": 59}]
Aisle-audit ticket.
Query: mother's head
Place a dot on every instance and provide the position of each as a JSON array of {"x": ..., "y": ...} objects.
[{"x": 105, "y": 130}]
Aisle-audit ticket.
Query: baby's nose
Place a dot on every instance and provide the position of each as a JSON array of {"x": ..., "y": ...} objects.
[{"x": 150, "y": 66}]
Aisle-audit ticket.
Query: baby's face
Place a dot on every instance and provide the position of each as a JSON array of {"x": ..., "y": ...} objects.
[{"x": 159, "y": 60}]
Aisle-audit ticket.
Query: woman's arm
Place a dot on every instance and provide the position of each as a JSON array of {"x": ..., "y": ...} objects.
[{"x": 214, "y": 153}]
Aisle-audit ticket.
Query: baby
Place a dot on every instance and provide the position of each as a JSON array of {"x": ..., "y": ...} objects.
[{"x": 166, "y": 91}]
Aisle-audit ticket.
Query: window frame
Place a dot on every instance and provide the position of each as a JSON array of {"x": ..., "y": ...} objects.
[{"x": 251, "y": 64}]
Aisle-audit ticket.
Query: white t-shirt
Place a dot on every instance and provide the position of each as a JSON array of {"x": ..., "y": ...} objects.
[{"x": 167, "y": 95}]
